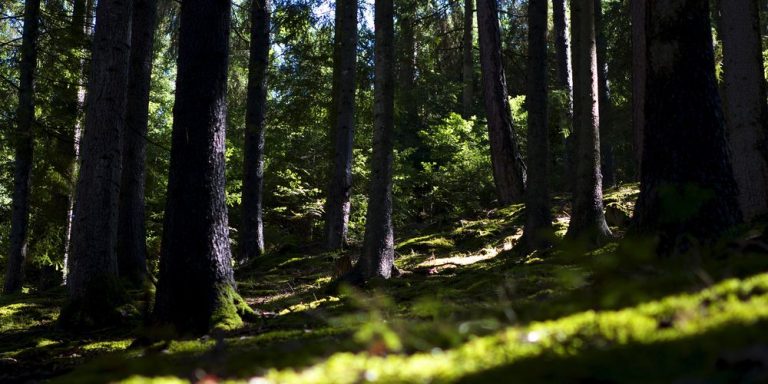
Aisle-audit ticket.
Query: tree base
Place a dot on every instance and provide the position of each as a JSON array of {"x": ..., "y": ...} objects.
[{"x": 105, "y": 304}]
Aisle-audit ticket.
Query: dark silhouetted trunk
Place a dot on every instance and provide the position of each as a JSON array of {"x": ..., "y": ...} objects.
[
  {"x": 744, "y": 98},
  {"x": 538, "y": 224},
  {"x": 378, "y": 254},
  {"x": 587, "y": 216},
  {"x": 508, "y": 167},
  {"x": 92, "y": 284},
  {"x": 343, "y": 129},
  {"x": 25, "y": 117},
  {"x": 252, "y": 232},
  {"x": 639, "y": 68},
  {"x": 608, "y": 165},
  {"x": 468, "y": 68},
  {"x": 687, "y": 190},
  {"x": 196, "y": 288},
  {"x": 131, "y": 229}
]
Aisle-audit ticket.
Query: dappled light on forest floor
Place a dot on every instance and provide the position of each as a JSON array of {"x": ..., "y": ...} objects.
[{"x": 467, "y": 309}]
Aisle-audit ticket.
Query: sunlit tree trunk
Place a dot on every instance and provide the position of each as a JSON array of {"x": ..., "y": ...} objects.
[
  {"x": 468, "y": 68},
  {"x": 508, "y": 166},
  {"x": 24, "y": 142},
  {"x": 608, "y": 165},
  {"x": 587, "y": 216},
  {"x": 252, "y": 232},
  {"x": 378, "y": 254}
]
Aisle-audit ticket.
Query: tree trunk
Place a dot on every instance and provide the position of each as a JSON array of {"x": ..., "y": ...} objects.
[
  {"x": 252, "y": 232},
  {"x": 196, "y": 288},
  {"x": 687, "y": 190},
  {"x": 468, "y": 69},
  {"x": 93, "y": 289},
  {"x": 745, "y": 103},
  {"x": 562, "y": 49},
  {"x": 538, "y": 224},
  {"x": 132, "y": 233},
  {"x": 587, "y": 216},
  {"x": 25, "y": 117},
  {"x": 608, "y": 166},
  {"x": 639, "y": 68},
  {"x": 407, "y": 127},
  {"x": 345, "y": 87},
  {"x": 508, "y": 167},
  {"x": 378, "y": 255}
]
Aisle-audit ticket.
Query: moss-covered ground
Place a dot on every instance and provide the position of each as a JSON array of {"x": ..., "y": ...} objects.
[{"x": 467, "y": 309}]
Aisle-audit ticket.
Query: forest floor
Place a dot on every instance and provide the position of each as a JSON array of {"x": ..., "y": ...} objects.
[{"x": 468, "y": 309}]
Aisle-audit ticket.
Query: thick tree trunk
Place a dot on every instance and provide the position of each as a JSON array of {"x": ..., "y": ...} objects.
[
  {"x": 687, "y": 190},
  {"x": 746, "y": 110},
  {"x": 587, "y": 216},
  {"x": 508, "y": 167},
  {"x": 639, "y": 67},
  {"x": 608, "y": 166},
  {"x": 252, "y": 232},
  {"x": 378, "y": 254},
  {"x": 345, "y": 87},
  {"x": 25, "y": 117},
  {"x": 468, "y": 67},
  {"x": 196, "y": 288},
  {"x": 132, "y": 234},
  {"x": 538, "y": 224},
  {"x": 93, "y": 263}
]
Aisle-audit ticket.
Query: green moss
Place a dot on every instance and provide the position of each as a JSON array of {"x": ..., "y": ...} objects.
[{"x": 231, "y": 310}]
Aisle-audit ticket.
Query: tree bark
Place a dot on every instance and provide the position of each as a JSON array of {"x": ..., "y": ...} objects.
[
  {"x": 252, "y": 232},
  {"x": 587, "y": 216},
  {"x": 24, "y": 140},
  {"x": 468, "y": 68},
  {"x": 345, "y": 87},
  {"x": 687, "y": 192},
  {"x": 509, "y": 170},
  {"x": 132, "y": 233},
  {"x": 196, "y": 288},
  {"x": 92, "y": 285},
  {"x": 378, "y": 254},
  {"x": 563, "y": 49},
  {"x": 407, "y": 126},
  {"x": 538, "y": 225},
  {"x": 745, "y": 103},
  {"x": 639, "y": 68},
  {"x": 608, "y": 166}
]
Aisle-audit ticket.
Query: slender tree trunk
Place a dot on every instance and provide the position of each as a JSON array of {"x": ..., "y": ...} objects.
[
  {"x": 608, "y": 166},
  {"x": 132, "y": 233},
  {"x": 345, "y": 87},
  {"x": 252, "y": 232},
  {"x": 92, "y": 280},
  {"x": 509, "y": 170},
  {"x": 196, "y": 288},
  {"x": 378, "y": 255},
  {"x": 538, "y": 224},
  {"x": 587, "y": 216},
  {"x": 407, "y": 126},
  {"x": 468, "y": 68},
  {"x": 639, "y": 68},
  {"x": 563, "y": 50},
  {"x": 745, "y": 103},
  {"x": 25, "y": 117},
  {"x": 687, "y": 187}
]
